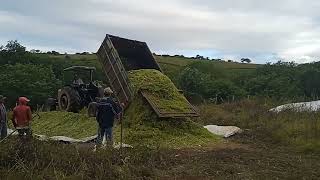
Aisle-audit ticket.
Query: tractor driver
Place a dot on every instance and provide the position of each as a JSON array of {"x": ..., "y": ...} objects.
[{"x": 77, "y": 80}]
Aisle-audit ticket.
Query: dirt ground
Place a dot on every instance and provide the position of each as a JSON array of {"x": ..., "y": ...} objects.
[
  {"x": 239, "y": 159},
  {"x": 243, "y": 156}
]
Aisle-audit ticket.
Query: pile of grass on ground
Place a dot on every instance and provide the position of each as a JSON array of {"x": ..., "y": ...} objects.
[
  {"x": 163, "y": 91},
  {"x": 64, "y": 124},
  {"x": 142, "y": 127}
]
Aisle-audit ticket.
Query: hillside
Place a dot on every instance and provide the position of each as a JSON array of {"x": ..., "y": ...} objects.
[
  {"x": 170, "y": 65},
  {"x": 184, "y": 61},
  {"x": 165, "y": 62}
]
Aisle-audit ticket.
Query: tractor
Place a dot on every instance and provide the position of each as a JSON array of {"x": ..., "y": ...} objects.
[{"x": 76, "y": 95}]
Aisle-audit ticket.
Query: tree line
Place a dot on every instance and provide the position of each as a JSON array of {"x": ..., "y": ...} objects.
[
  {"x": 35, "y": 75},
  {"x": 39, "y": 76},
  {"x": 281, "y": 81}
]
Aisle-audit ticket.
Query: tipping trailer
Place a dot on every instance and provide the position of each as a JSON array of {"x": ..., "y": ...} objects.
[{"x": 118, "y": 56}]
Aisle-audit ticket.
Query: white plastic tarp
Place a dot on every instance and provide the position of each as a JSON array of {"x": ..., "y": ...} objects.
[
  {"x": 298, "y": 107},
  {"x": 71, "y": 140},
  {"x": 225, "y": 131}
]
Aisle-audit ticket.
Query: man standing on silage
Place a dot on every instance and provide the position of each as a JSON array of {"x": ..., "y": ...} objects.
[
  {"x": 107, "y": 111},
  {"x": 3, "y": 118}
]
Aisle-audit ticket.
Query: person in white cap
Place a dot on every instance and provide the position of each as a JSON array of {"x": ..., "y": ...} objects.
[
  {"x": 3, "y": 118},
  {"x": 107, "y": 111}
]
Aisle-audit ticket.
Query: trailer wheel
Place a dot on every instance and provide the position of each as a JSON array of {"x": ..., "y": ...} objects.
[{"x": 69, "y": 100}]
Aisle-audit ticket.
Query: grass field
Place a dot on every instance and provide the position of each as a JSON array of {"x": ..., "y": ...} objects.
[
  {"x": 299, "y": 130},
  {"x": 258, "y": 153},
  {"x": 180, "y": 61},
  {"x": 170, "y": 65},
  {"x": 272, "y": 146}
]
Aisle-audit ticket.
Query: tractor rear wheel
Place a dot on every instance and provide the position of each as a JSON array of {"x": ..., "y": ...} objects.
[{"x": 69, "y": 100}]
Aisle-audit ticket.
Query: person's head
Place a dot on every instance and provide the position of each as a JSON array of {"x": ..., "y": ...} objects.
[
  {"x": 107, "y": 92},
  {"x": 23, "y": 101},
  {"x": 76, "y": 76},
  {"x": 2, "y": 99}
]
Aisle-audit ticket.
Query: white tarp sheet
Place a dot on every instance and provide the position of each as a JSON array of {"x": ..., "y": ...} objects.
[
  {"x": 225, "y": 131},
  {"x": 71, "y": 140},
  {"x": 298, "y": 107},
  {"x": 58, "y": 138}
]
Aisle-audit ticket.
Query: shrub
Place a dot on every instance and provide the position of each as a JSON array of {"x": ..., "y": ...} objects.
[{"x": 33, "y": 81}]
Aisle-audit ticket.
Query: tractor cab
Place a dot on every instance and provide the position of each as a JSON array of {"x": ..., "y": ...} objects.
[
  {"x": 80, "y": 89},
  {"x": 79, "y": 75}
]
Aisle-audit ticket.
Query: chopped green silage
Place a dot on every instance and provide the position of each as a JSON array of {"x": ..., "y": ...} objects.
[
  {"x": 65, "y": 124},
  {"x": 143, "y": 128},
  {"x": 161, "y": 89},
  {"x": 141, "y": 125}
]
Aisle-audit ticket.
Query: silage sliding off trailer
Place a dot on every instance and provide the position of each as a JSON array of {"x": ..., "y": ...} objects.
[{"x": 118, "y": 56}]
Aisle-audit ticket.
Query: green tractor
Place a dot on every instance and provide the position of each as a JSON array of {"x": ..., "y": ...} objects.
[{"x": 79, "y": 94}]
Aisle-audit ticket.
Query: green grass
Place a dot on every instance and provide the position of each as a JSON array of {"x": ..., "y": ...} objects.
[
  {"x": 171, "y": 66},
  {"x": 175, "y": 61},
  {"x": 179, "y": 61},
  {"x": 299, "y": 130},
  {"x": 65, "y": 124}
]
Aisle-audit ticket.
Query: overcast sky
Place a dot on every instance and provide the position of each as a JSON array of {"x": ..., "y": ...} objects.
[{"x": 230, "y": 29}]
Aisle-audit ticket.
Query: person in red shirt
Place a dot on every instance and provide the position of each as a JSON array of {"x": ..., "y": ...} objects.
[{"x": 22, "y": 117}]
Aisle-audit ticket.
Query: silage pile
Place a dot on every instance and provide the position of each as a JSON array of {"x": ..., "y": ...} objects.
[
  {"x": 161, "y": 88},
  {"x": 141, "y": 125}
]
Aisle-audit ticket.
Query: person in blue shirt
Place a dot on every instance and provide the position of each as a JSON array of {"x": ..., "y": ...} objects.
[{"x": 107, "y": 111}]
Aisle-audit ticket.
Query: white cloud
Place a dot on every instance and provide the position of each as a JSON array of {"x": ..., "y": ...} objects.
[{"x": 230, "y": 29}]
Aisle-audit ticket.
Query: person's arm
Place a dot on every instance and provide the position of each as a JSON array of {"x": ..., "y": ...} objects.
[
  {"x": 14, "y": 118},
  {"x": 29, "y": 115},
  {"x": 98, "y": 114},
  {"x": 116, "y": 106},
  {"x": 118, "y": 109}
]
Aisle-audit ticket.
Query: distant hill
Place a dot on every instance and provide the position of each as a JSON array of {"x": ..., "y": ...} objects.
[
  {"x": 173, "y": 65},
  {"x": 170, "y": 65}
]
